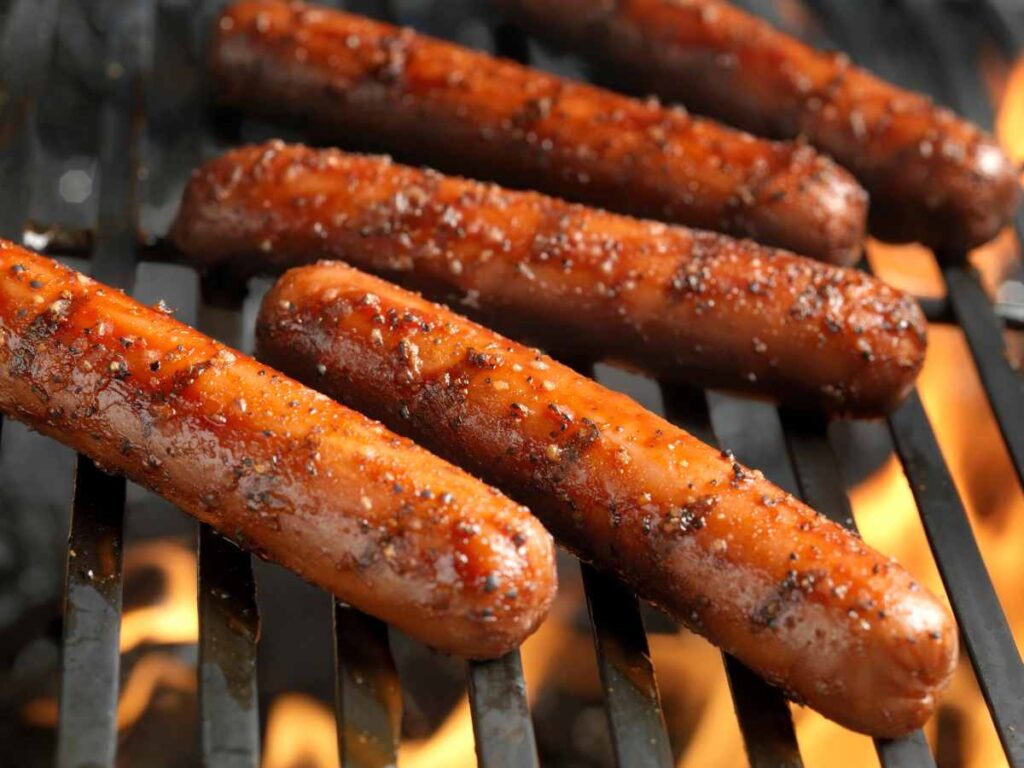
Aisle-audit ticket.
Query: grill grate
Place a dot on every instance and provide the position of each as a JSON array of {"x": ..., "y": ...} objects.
[{"x": 793, "y": 449}]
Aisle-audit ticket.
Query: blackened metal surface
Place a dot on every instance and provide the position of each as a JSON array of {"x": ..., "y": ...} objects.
[
  {"x": 228, "y": 615},
  {"x": 228, "y": 632},
  {"x": 821, "y": 486},
  {"x": 632, "y": 705},
  {"x": 367, "y": 697},
  {"x": 501, "y": 715},
  {"x": 762, "y": 711},
  {"x": 983, "y": 626},
  {"x": 636, "y": 724},
  {"x": 87, "y": 734},
  {"x": 1003, "y": 384}
]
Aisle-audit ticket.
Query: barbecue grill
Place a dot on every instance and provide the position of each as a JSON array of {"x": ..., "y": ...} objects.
[{"x": 135, "y": 71}]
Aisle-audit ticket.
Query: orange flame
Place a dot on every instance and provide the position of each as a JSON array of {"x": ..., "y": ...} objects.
[
  {"x": 1010, "y": 120},
  {"x": 172, "y": 619}
]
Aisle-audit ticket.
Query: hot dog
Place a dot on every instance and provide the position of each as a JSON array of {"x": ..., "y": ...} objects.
[
  {"x": 794, "y": 596},
  {"x": 277, "y": 467},
  {"x": 932, "y": 176},
  {"x": 373, "y": 86},
  {"x": 675, "y": 302}
]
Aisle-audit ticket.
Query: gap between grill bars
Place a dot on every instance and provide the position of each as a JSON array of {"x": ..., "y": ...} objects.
[{"x": 367, "y": 684}]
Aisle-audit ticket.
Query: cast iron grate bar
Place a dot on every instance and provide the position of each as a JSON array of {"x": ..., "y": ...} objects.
[
  {"x": 1003, "y": 385},
  {"x": 367, "y": 700},
  {"x": 87, "y": 732},
  {"x": 637, "y": 727},
  {"x": 502, "y": 727},
  {"x": 91, "y": 662},
  {"x": 822, "y": 486},
  {"x": 632, "y": 705},
  {"x": 762, "y": 711},
  {"x": 228, "y": 631},
  {"x": 983, "y": 626},
  {"x": 228, "y": 614}
]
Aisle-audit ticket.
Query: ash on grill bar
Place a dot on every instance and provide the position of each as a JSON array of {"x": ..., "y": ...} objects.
[{"x": 186, "y": 153}]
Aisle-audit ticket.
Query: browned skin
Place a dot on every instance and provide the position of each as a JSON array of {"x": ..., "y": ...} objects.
[
  {"x": 279, "y": 468},
  {"x": 796, "y": 597},
  {"x": 372, "y": 86},
  {"x": 932, "y": 176},
  {"x": 580, "y": 282}
]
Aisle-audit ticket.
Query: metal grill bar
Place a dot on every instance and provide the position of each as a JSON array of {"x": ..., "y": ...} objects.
[
  {"x": 983, "y": 330},
  {"x": 501, "y": 716},
  {"x": 634, "y": 714},
  {"x": 983, "y": 625},
  {"x": 87, "y": 735},
  {"x": 632, "y": 705},
  {"x": 762, "y": 711},
  {"x": 228, "y": 614},
  {"x": 368, "y": 701},
  {"x": 822, "y": 487},
  {"x": 228, "y": 631}
]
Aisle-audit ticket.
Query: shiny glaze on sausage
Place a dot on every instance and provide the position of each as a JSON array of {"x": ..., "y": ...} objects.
[
  {"x": 580, "y": 282},
  {"x": 372, "y": 86},
  {"x": 799, "y": 599},
  {"x": 280, "y": 469},
  {"x": 932, "y": 176}
]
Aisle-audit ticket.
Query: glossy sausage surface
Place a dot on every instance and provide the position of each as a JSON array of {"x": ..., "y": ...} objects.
[
  {"x": 797, "y": 598},
  {"x": 580, "y": 282},
  {"x": 932, "y": 176},
  {"x": 281, "y": 469},
  {"x": 372, "y": 86}
]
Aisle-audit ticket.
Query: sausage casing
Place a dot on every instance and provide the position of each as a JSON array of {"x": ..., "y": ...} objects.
[
  {"x": 277, "y": 467},
  {"x": 372, "y": 86},
  {"x": 580, "y": 282},
  {"x": 796, "y": 597},
  {"x": 932, "y": 176}
]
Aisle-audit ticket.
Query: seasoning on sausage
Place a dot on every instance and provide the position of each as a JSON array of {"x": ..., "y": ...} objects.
[
  {"x": 797, "y": 598},
  {"x": 373, "y": 86},
  {"x": 932, "y": 176},
  {"x": 277, "y": 467},
  {"x": 678, "y": 303}
]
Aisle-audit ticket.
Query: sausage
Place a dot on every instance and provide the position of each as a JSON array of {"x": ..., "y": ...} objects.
[
  {"x": 373, "y": 86},
  {"x": 277, "y": 467},
  {"x": 797, "y": 598},
  {"x": 932, "y": 176},
  {"x": 580, "y": 282}
]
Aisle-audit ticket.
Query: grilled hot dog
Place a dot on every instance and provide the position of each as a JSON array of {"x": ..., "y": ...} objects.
[
  {"x": 932, "y": 176},
  {"x": 796, "y": 597},
  {"x": 581, "y": 282},
  {"x": 277, "y": 467},
  {"x": 373, "y": 86}
]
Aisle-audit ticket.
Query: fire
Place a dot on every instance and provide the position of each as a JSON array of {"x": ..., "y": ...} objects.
[
  {"x": 170, "y": 620},
  {"x": 300, "y": 734},
  {"x": 173, "y": 618},
  {"x": 1010, "y": 120}
]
